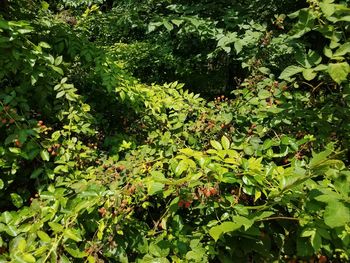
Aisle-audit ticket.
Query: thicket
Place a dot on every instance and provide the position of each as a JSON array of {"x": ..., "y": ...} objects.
[{"x": 105, "y": 156}]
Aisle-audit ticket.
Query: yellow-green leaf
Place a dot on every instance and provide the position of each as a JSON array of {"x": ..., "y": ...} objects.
[{"x": 338, "y": 71}]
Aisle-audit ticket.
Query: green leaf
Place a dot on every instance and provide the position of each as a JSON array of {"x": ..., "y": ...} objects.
[
  {"x": 290, "y": 71},
  {"x": 309, "y": 74},
  {"x": 72, "y": 234},
  {"x": 57, "y": 69},
  {"x": 245, "y": 222},
  {"x": 327, "y": 52},
  {"x": 160, "y": 249},
  {"x": 216, "y": 231},
  {"x": 56, "y": 135},
  {"x": 264, "y": 94},
  {"x": 168, "y": 25},
  {"x": 338, "y": 71},
  {"x": 154, "y": 187},
  {"x": 33, "y": 79},
  {"x": 328, "y": 9},
  {"x": 316, "y": 241},
  {"x": 21, "y": 244},
  {"x": 56, "y": 227},
  {"x": 225, "y": 142},
  {"x": 336, "y": 214},
  {"x": 43, "y": 236},
  {"x": 216, "y": 145},
  {"x": 229, "y": 178},
  {"x": 15, "y": 150},
  {"x": 238, "y": 46},
  {"x": 60, "y": 94},
  {"x": 45, "y": 155},
  {"x": 319, "y": 158},
  {"x": 177, "y": 22},
  {"x": 12, "y": 231},
  {"x": 58, "y": 61},
  {"x": 44, "y": 45},
  {"x": 342, "y": 50},
  {"x": 16, "y": 200},
  {"x": 28, "y": 258},
  {"x": 181, "y": 167},
  {"x": 75, "y": 252}
]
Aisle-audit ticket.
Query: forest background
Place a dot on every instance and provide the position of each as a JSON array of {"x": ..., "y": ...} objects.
[{"x": 174, "y": 131}]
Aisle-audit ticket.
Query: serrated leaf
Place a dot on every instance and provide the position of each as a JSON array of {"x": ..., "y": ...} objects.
[
  {"x": 328, "y": 9},
  {"x": 336, "y": 214}
]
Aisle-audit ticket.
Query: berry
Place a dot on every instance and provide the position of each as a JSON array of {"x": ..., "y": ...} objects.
[
  {"x": 213, "y": 191},
  {"x": 206, "y": 192},
  {"x": 322, "y": 259},
  {"x": 17, "y": 143},
  {"x": 187, "y": 204}
]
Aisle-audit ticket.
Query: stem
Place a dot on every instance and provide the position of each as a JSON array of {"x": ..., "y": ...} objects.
[{"x": 279, "y": 218}]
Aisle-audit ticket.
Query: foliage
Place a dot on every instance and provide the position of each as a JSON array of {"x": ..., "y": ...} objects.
[{"x": 105, "y": 157}]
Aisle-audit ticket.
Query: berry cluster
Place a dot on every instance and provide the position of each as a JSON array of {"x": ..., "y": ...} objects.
[
  {"x": 54, "y": 149},
  {"x": 43, "y": 128},
  {"x": 6, "y": 116}
]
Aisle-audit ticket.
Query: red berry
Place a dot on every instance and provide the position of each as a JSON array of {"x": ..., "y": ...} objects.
[
  {"x": 213, "y": 191},
  {"x": 17, "y": 142},
  {"x": 206, "y": 192},
  {"x": 322, "y": 259}
]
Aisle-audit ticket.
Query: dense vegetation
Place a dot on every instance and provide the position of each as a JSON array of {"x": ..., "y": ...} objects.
[{"x": 105, "y": 156}]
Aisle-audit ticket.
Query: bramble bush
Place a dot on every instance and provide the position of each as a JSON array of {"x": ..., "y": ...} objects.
[{"x": 105, "y": 157}]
